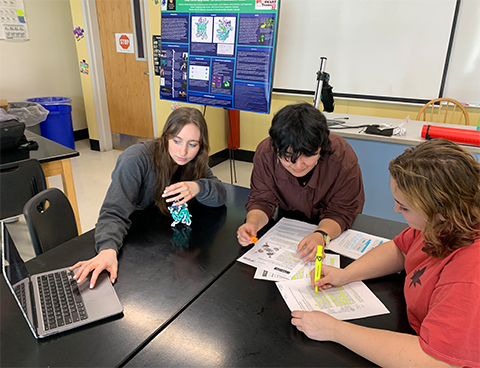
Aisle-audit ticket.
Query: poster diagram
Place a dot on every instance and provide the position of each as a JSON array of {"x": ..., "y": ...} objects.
[
  {"x": 156, "y": 41},
  {"x": 219, "y": 53},
  {"x": 202, "y": 29}
]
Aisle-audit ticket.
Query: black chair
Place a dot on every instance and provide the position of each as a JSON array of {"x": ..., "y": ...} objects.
[
  {"x": 50, "y": 220},
  {"x": 19, "y": 181}
]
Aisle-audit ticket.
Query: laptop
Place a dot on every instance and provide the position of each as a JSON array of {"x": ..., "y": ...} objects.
[{"x": 52, "y": 301}]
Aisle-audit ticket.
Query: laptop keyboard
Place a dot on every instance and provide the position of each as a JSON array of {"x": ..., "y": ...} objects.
[
  {"x": 60, "y": 300},
  {"x": 20, "y": 292}
]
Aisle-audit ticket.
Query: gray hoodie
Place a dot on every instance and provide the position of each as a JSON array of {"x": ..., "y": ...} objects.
[{"x": 133, "y": 188}]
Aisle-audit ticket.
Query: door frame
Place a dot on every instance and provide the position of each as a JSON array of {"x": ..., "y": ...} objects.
[{"x": 99, "y": 90}]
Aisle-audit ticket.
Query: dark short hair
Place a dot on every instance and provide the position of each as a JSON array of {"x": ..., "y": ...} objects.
[{"x": 299, "y": 129}]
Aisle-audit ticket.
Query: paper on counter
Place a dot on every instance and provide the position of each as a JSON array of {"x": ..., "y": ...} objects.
[
  {"x": 351, "y": 301},
  {"x": 330, "y": 260}
]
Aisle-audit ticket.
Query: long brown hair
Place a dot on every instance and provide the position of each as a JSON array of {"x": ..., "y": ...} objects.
[
  {"x": 441, "y": 180},
  {"x": 163, "y": 163}
]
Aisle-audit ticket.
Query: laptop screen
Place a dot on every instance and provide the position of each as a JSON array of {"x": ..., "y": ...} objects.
[
  {"x": 14, "y": 267},
  {"x": 16, "y": 274}
]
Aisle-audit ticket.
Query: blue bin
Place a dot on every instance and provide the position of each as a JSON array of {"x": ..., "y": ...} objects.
[{"x": 58, "y": 127}]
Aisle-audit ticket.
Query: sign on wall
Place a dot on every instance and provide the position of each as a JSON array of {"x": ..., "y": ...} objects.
[
  {"x": 219, "y": 53},
  {"x": 124, "y": 42},
  {"x": 13, "y": 22}
]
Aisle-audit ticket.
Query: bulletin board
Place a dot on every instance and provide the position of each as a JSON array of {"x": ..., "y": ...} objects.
[{"x": 219, "y": 52}]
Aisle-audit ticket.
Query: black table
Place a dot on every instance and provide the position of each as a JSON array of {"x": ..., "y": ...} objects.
[
  {"x": 188, "y": 302},
  {"x": 161, "y": 271},
  {"x": 47, "y": 151},
  {"x": 243, "y": 322},
  {"x": 55, "y": 160}
]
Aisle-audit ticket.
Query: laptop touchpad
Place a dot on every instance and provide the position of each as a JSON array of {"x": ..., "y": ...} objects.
[{"x": 101, "y": 287}]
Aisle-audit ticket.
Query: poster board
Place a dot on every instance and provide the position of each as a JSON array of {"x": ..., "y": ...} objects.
[{"x": 219, "y": 53}]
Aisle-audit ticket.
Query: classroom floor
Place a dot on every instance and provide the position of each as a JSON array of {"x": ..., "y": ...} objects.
[{"x": 91, "y": 172}]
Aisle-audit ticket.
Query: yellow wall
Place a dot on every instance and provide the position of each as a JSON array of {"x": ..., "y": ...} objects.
[{"x": 86, "y": 80}]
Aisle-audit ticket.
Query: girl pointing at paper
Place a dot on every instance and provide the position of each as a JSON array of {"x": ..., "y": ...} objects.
[{"x": 436, "y": 187}]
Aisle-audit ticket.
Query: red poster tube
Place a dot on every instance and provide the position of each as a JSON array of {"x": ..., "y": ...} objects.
[{"x": 452, "y": 134}]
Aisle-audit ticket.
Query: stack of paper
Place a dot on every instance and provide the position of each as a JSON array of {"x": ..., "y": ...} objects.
[{"x": 275, "y": 257}]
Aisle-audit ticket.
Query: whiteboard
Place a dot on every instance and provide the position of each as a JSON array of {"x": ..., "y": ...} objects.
[
  {"x": 463, "y": 77},
  {"x": 393, "y": 48}
]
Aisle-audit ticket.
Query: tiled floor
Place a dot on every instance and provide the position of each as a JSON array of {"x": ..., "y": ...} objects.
[{"x": 91, "y": 172}]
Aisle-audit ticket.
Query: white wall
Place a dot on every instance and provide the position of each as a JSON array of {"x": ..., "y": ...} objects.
[
  {"x": 394, "y": 48},
  {"x": 47, "y": 65}
]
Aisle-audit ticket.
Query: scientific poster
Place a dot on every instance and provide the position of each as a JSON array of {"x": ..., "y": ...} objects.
[{"x": 219, "y": 52}]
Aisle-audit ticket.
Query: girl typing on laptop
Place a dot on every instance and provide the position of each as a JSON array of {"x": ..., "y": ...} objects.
[{"x": 172, "y": 168}]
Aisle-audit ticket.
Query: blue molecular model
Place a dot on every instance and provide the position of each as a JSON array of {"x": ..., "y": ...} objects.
[{"x": 180, "y": 214}]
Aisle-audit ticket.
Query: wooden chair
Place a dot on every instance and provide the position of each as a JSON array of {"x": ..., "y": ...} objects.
[{"x": 437, "y": 111}]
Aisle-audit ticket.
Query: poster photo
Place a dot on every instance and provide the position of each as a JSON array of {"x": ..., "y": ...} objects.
[{"x": 219, "y": 53}]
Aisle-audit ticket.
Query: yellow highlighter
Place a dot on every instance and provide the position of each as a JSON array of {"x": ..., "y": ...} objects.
[{"x": 318, "y": 265}]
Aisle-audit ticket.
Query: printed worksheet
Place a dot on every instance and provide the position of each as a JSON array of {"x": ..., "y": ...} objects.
[
  {"x": 330, "y": 260},
  {"x": 354, "y": 244},
  {"x": 276, "y": 251},
  {"x": 351, "y": 301}
]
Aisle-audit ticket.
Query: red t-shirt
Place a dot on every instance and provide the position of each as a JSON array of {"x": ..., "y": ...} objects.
[{"x": 443, "y": 299}]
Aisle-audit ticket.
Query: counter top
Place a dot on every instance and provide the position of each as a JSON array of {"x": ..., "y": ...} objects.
[{"x": 412, "y": 136}]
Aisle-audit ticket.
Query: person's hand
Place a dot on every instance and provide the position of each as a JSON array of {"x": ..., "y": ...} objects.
[
  {"x": 316, "y": 325},
  {"x": 105, "y": 260},
  {"x": 307, "y": 248},
  {"x": 245, "y": 233},
  {"x": 330, "y": 276},
  {"x": 181, "y": 192}
]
